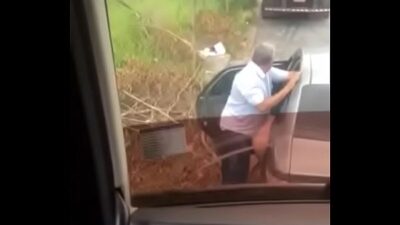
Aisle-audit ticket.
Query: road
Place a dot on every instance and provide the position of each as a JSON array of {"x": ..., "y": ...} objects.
[{"x": 311, "y": 34}]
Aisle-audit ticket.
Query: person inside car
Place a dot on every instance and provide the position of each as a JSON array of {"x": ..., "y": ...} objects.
[{"x": 247, "y": 112}]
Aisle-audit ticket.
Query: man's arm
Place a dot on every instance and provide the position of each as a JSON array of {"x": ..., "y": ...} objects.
[
  {"x": 278, "y": 75},
  {"x": 292, "y": 74},
  {"x": 272, "y": 101}
]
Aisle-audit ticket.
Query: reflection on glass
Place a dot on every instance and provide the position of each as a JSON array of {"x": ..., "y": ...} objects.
[{"x": 205, "y": 103}]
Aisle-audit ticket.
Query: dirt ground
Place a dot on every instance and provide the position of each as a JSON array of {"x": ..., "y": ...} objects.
[
  {"x": 142, "y": 94},
  {"x": 197, "y": 168},
  {"x": 183, "y": 171}
]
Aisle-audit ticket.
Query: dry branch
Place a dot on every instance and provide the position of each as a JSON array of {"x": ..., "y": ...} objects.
[
  {"x": 150, "y": 106},
  {"x": 183, "y": 40}
]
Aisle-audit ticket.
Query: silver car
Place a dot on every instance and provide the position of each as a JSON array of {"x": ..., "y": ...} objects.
[{"x": 301, "y": 131}]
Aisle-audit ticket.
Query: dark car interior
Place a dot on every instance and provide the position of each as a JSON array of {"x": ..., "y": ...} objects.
[
  {"x": 239, "y": 214},
  {"x": 234, "y": 205}
]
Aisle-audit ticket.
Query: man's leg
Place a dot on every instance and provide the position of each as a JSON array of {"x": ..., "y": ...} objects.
[
  {"x": 235, "y": 168},
  {"x": 260, "y": 142}
]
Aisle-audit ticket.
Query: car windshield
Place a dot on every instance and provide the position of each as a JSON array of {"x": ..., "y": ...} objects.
[{"x": 196, "y": 94}]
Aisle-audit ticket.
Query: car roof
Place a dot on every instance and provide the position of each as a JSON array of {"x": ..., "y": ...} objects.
[{"x": 320, "y": 68}]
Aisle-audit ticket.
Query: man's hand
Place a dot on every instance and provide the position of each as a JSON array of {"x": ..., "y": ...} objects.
[
  {"x": 275, "y": 99},
  {"x": 294, "y": 77}
]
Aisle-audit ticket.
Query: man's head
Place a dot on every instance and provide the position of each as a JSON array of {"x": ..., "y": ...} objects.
[{"x": 263, "y": 56}]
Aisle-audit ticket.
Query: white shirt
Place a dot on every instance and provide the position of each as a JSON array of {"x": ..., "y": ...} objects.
[{"x": 249, "y": 88}]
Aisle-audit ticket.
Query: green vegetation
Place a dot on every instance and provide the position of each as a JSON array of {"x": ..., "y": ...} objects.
[{"x": 132, "y": 38}]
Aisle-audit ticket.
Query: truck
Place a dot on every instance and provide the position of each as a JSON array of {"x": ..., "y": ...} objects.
[{"x": 275, "y": 8}]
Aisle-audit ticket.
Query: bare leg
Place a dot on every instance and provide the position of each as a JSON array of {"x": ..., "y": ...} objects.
[{"x": 260, "y": 142}]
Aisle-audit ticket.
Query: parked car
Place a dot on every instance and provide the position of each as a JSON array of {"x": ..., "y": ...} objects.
[
  {"x": 272, "y": 8},
  {"x": 301, "y": 131}
]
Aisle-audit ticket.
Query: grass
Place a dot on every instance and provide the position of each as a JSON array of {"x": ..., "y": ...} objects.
[
  {"x": 127, "y": 17},
  {"x": 127, "y": 36},
  {"x": 157, "y": 81}
]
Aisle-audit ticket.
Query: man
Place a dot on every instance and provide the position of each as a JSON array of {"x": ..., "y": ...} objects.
[{"x": 246, "y": 111}]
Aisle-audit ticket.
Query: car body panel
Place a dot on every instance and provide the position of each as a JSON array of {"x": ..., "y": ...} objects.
[
  {"x": 240, "y": 214},
  {"x": 291, "y": 154},
  {"x": 305, "y": 170},
  {"x": 301, "y": 132},
  {"x": 320, "y": 68}
]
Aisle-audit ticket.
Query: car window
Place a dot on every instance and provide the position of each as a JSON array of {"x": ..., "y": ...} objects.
[
  {"x": 166, "y": 54},
  {"x": 224, "y": 84}
]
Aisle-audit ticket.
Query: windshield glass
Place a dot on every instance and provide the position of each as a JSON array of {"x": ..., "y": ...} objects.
[{"x": 221, "y": 94}]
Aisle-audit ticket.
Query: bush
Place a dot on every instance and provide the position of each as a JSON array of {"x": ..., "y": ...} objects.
[
  {"x": 130, "y": 39},
  {"x": 241, "y": 4}
]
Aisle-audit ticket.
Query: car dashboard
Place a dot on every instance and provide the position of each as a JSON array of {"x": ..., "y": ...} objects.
[{"x": 272, "y": 213}]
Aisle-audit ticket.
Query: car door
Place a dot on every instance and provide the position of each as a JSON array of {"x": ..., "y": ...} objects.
[{"x": 212, "y": 100}]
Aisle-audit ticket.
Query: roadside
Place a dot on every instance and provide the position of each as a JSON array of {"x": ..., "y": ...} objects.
[
  {"x": 160, "y": 75},
  {"x": 162, "y": 56}
]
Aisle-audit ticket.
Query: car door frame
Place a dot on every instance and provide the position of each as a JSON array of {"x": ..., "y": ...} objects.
[{"x": 94, "y": 83}]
